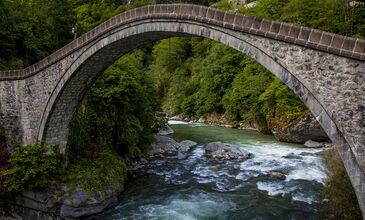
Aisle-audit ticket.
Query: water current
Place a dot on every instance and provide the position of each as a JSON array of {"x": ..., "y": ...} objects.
[{"x": 199, "y": 187}]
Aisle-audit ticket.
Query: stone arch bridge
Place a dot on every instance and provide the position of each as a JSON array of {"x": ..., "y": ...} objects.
[{"x": 326, "y": 71}]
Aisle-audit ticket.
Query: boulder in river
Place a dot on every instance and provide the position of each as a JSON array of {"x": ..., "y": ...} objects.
[
  {"x": 292, "y": 156},
  {"x": 219, "y": 150},
  {"x": 165, "y": 130},
  {"x": 185, "y": 147},
  {"x": 277, "y": 175},
  {"x": 304, "y": 128},
  {"x": 313, "y": 144},
  {"x": 163, "y": 145}
]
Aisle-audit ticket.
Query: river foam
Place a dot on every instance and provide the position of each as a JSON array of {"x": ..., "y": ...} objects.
[{"x": 199, "y": 187}]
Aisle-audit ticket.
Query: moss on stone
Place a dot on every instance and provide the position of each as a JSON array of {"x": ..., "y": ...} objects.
[{"x": 105, "y": 170}]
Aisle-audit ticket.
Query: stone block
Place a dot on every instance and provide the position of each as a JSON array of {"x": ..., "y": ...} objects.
[
  {"x": 265, "y": 25},
  {"x": 203, "y": 12},
  {"x": 195, "y": 11},
  {"x": 285, "y": 29},
  {"x": 337, "y": 41},
  {"x": 326, "y": 38},
  {"x": 219, "y": 15},
  {"x": 294, "y": 31},
  {"x": 256, "y": 24},
  {"x": 304, "y": 33},
  {"x": 360, "y": 46},
  {"x": 247, "y": 22},
  {"x": 315, "y": 36},
  {"x": 275, "y": 27},
  {"x": 210, "y": 13},
  {"x": 348, "y": 44},
  {"x": 229, "y": 18},
  {"x": 239, "y": 19}
]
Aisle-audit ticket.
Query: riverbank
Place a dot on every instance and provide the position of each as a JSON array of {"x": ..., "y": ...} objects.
[{"x": 304, "y": 128}]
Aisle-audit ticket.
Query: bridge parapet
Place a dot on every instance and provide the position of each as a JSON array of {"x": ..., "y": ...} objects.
[{"x": 302, "y": 36}]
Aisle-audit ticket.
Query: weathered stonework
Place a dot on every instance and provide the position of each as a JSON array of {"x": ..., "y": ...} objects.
[{"x": 325, "y": 70}]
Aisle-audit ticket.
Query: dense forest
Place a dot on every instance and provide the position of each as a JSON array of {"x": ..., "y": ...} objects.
[{"x": 190, "y": 76}]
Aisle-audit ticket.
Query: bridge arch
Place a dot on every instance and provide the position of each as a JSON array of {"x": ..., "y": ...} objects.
[{"x": 326, "y": 71}]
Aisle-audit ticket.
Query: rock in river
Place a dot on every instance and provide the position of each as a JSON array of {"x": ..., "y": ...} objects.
[
  {"x": 165, "y": 130},
  {"x": 163, "y": 146},
  {"x": 302, "y": 129},
  {"x": 277, "y": 175},
  {"x": 313, "y": 144},
  {"x": 185, "y": 147},
  {"x": 221, "y": 150}
]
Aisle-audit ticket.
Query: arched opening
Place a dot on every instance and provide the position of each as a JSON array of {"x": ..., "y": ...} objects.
[{"x": 100, "y": 53}]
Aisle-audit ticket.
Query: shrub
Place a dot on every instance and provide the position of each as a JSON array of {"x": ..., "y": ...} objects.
[
  {"x": 107, "y": 169},
  {"x": 32, "y": 167}
]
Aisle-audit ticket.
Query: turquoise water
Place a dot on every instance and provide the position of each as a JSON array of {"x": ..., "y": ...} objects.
[{"x": 202, "y": 188}]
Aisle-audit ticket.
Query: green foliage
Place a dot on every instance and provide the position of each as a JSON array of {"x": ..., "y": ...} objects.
[
  {"x": 217, "y": 73},
  {"x": 281, "y": 103},
  {"x": 336, "y": 16},
  {"x": 32, "y": 167},
  {"x": 167, "y": 56},
  {"x": 92, "y": 13},
  {"x": 106, "y": 170},
  {"x": 212, "y": 78},
  {"x": 31, "y": 30},
  {"x": 224, "y": 5},
  {"x": 118, "y": 111},
  {"x": 342, "y": 202},
  {"x": 241, "y": 100}
]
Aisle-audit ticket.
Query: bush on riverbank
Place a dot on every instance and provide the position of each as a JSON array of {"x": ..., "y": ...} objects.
[
  {"x": 106, "y": 170},
  {"x": 342, "y": 202},
  {"x": 32, "y": 167}
]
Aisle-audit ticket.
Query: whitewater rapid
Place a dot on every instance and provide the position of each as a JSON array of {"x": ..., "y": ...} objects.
[{"x": 202, "y": 188}]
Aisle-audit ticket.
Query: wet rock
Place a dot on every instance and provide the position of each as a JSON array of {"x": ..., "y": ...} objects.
[
  {"x": 201, "y": 120},
  {"x": 43, "y": 200},
  {"x": 329, "y": 145},
  {"x": 177, "y": 118},
  {"x": 79, "y": 204},
  {"x": 304, "y": 128},
  {"x": 163, "y": 146},
  {"x": 165, "y": 130},
  {"x": 136, "y": 165},
  {"x": 181, "y": 155},
  {"x": 60, "y": 203},
  {"x": 292, "y": 156},
  {"x": 313, "y": 144},
  {"x": 219, "y": 150},
  {"x": 185, "y": 147},
  {"x": 277, "y": 175}
]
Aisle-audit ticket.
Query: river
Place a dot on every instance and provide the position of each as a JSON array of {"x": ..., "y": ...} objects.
[{"x": 202, "y": 188}]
